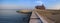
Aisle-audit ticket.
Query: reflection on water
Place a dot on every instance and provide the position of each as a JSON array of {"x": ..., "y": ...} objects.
[{"x": 11, "y": 16}]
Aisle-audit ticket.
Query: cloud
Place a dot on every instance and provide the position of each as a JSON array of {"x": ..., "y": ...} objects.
[
  {"x": 9, "y": 6},
  {"x": 39, "y": 2},
  {"x": 55, "y": 6},
  {"x": 13, "y": 6}
]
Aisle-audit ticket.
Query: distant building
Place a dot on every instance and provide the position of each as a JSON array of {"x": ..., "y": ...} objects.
[{"x": 42, "y": 7}]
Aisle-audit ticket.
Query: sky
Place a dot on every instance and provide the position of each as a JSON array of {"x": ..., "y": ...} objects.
[{"x": 29, "y": 4}]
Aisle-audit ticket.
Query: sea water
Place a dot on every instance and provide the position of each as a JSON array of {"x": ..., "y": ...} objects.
[{"x": 11, "y": 16}]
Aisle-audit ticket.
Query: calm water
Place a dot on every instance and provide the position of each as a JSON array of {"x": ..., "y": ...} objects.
[{"x": 11, "y": 16}]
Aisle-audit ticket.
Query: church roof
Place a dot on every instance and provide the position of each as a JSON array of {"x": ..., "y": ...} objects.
[{"x": 42, "y": 7}]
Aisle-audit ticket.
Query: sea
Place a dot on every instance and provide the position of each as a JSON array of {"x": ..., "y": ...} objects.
[{"x": 11, "y": 16}]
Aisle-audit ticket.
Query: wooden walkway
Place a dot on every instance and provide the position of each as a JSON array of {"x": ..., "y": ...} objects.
[
  {"x": 39, "y": 17},
  {"x": 34, "y": 18}
]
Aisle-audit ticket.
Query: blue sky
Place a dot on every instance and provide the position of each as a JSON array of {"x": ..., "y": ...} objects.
[{"x": 30, "y": 3}]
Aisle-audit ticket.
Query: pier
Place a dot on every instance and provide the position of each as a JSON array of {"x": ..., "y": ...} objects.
[{"x": 45, "y": 16}]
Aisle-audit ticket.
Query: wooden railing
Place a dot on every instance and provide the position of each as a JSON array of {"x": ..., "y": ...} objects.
[
  {"x": 41, "y": 14},
  {"x": 43, "y": 18}
]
